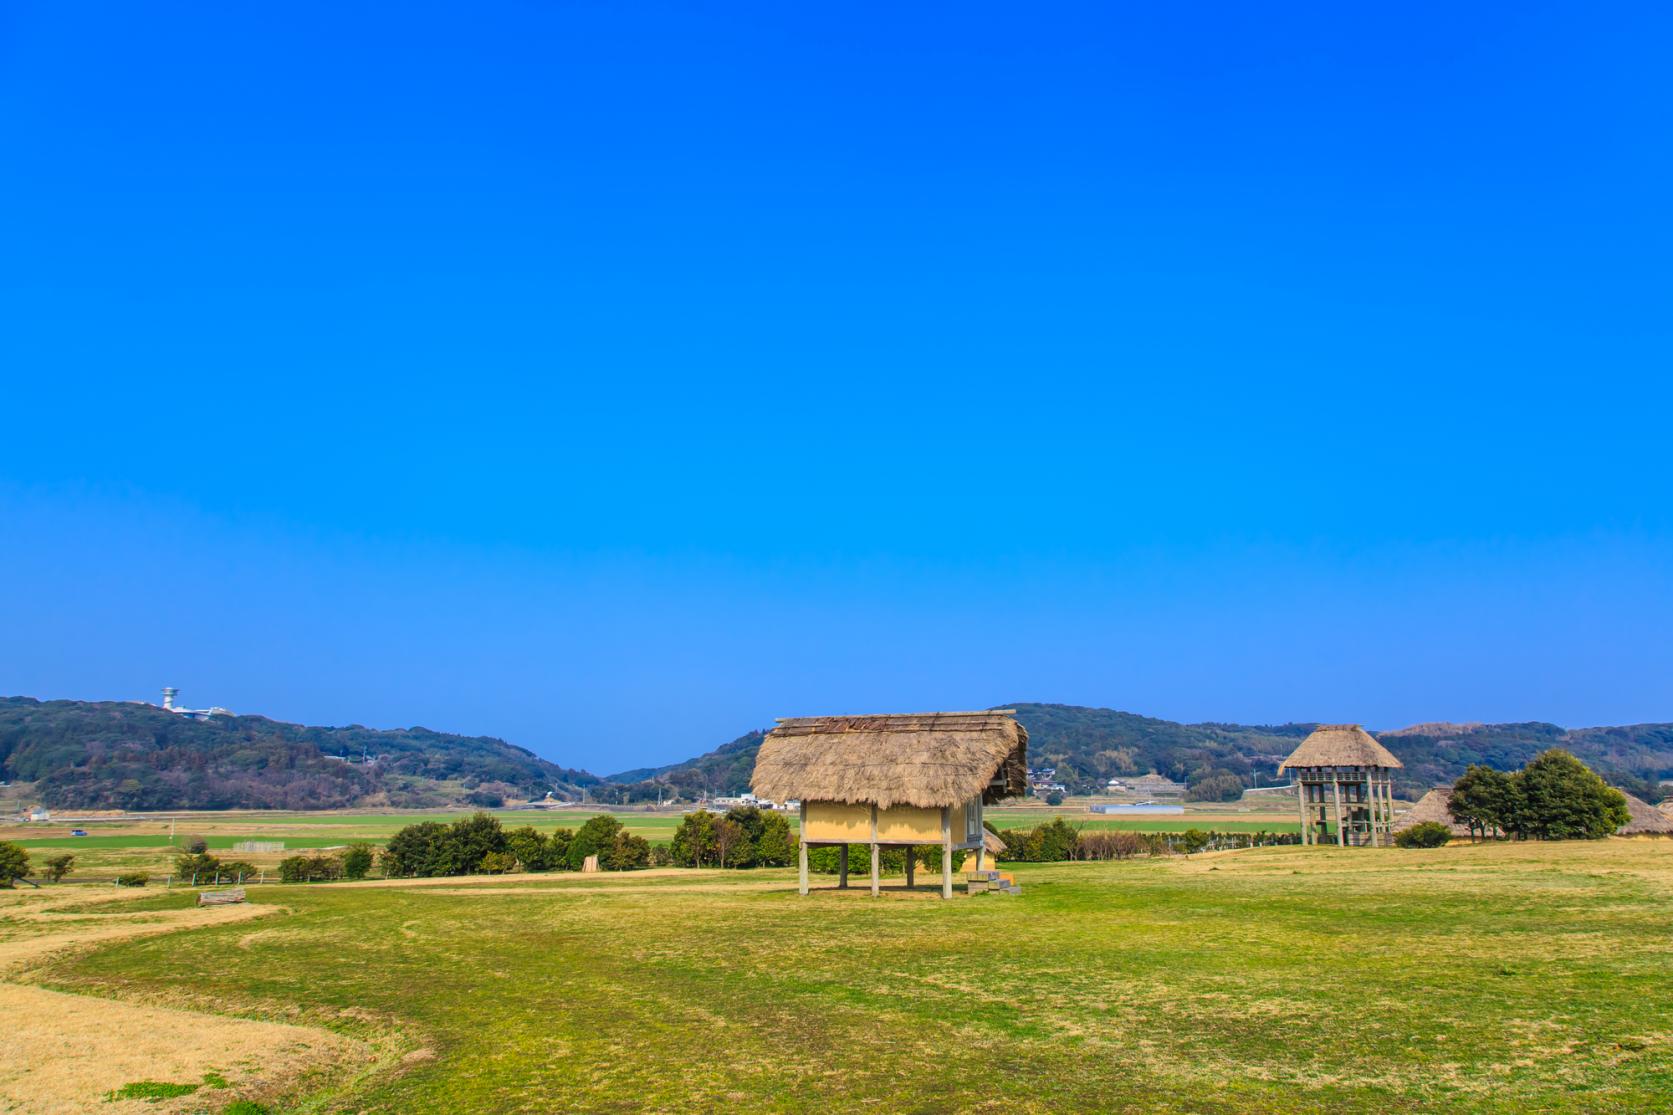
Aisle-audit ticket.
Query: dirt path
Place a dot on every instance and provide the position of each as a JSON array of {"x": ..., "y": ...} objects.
[{"x": 65, "y": 1053}]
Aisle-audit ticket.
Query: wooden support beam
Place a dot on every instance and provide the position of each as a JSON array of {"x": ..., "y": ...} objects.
[
  {"x": 1336, "y": 787},
  {"x": 842, "y": 867},
  {"x": 911, "y": 865},
  {"x": 876, "y": 875},
  {"x": 946, "y": 852},
  {"x": 1301, "y": 799},
  {"x": 801, "y": 845}
]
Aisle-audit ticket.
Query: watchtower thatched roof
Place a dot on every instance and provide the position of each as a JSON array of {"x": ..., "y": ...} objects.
[
  {"x": 927, "y": 759},
  {"x": 1646, "y": 819},
  {"x": 1340, "y": 745},
  {"x": 1432, "y": 807}
]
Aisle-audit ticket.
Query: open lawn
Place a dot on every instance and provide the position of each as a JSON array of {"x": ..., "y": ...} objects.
[{"x": 1485, "y": 978}]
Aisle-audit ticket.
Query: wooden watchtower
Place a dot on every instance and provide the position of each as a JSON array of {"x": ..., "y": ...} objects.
[{"x": 1345, "y": 776}]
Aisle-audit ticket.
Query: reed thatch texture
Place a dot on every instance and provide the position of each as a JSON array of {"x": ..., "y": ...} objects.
[
  {"x": 1646, "y": 820},
  {"x": 1340, "y": 745},
  {"x": 1432, "y": 807},
  {"x": 924, "y": 759}
]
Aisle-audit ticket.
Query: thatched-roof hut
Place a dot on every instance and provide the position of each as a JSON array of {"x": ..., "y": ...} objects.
[
  {"x": 900, "y": 779},
  {"x": 1341, "y": 765},
  {"x": 1432, "y": 807},
  {"x": 1646, "y": 819}
]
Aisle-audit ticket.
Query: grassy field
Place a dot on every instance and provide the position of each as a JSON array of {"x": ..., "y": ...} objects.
[
  {"x": 142, "y": 843},
  {"x": 1474, "y": 978}
]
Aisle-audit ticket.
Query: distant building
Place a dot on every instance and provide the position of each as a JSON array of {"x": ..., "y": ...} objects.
[
  {"x": 1343, "y": 775},
  {"x": 170, "y": 693},
  {"x": 40, "y": 814}
]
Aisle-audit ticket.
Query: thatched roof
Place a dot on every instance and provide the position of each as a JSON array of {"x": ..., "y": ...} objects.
[
  {"x": 1432, "y": 807},
  {"x": 1646, "y": 820},
  {"x": 926, "y": 759},
  {"x": 1340, "y": 745}
]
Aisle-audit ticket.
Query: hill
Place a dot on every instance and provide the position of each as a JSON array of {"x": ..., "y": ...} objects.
[
  {"x": 127, "y": 755},
  {"x": 1089, "y": 746}
]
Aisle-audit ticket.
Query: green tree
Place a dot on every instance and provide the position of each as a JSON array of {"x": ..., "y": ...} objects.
[
  {"x": 594, "y": 838},
  {"x": 558, "y": 856},
  {"x": 1560, "y": 798},
  {"x": 59, "y": 866},
  {"x": 1485, "y": 800},
  {"x": 357, "y": 861},
  {"x": 426, "y": 849},
  {"x": 530, "y": 847},
  {"x": 1054, "y": 798},
  {"x": 196, "y": 845},
  {"x": 694, "y": 840},
  {"x": 473, "y": 838},
  {"x": 498, "y": 863},
  {"x": 1193, "y": 841},
  {"x": 776, "y": 846},
  {"x": 1425, "y": 834},
  {"x": 192, "y": 868},
  {"x": 14, "y": 863},
  {"x": 237, "y": 870},
  {"x": 731, "y": 843}
]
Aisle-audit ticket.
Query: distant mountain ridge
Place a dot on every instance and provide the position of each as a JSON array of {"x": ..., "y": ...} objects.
[
  {"x": 128, "y": 755},
  {"x": 1089, "y": 746}
]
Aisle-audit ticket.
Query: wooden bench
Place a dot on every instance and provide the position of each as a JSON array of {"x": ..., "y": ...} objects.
[{"x": 221, "y": 897}]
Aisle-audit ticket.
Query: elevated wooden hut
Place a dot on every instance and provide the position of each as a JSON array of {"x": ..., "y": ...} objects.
[
  {"x": 1341, "y": 772},
  {"x": 903, "y": 779}
]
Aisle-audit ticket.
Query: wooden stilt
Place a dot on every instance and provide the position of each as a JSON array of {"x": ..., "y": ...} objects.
[
  {"x": 1336, "y": 788},
  {"x": 946, "y": 852},
  {"x": 911, "y": 865},
  {"x": 801, "y": 845},
  {"x": 876, "y": 874},
  {"x": 1301, "y": 798},
  {"x": 842, "y": 867}
]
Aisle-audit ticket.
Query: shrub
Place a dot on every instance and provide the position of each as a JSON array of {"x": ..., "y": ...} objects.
[
  {"x": 308, "y": 869},
  {"x": 190, "y": 867},
  {"x": 1054, "y": 798},
  {"x": 14, "y": 863},
  {"x": 133, "y": 879},
  {"x": 237, "y": 869},
  {"x": 498, "y": 863},
  {"x": 661, "y": 856},
  {"x": 1109, "y": 845},
  {"x": 59, "y": 866},
  {"x": 196, "y": 845},
  {"x": 1193, "y": 841},
  {"x": 1426, "y": 834}
]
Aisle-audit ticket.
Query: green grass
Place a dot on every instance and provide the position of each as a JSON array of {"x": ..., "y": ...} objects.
[
  {"x": 152, "y": 1091},
  {"x": 1490, "y": 978}
]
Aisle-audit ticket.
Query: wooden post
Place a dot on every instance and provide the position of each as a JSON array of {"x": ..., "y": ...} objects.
[
  {"x": 946, "y": 852},
  {"x": 876, "y": 875},
  {"x": 1371, "y": 808},
  {"x": 1301, "y": 797},
  {"x": 1336, "y": 789},
  {"x": 842, "y": 867},
  {"x": 802, "y": 846},
  {"x": 911, "y": 865}
]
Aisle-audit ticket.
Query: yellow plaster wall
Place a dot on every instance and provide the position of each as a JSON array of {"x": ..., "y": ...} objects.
[{"x": 832, "y": 821}]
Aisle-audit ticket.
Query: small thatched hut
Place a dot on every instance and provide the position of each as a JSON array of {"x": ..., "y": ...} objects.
[
  {"x": 904, "y": 779},
  {"x": 1341, "y": 765},
  {"x": 1646, "y": 819},
  {"x": 1432, "y": 807}
]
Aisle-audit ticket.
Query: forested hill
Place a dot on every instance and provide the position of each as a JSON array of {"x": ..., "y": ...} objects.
[
  {"x": 1089, "y": 746},
  {"x": 126, "y": 755}
]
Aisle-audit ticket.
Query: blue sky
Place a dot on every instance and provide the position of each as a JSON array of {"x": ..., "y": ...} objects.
[{"x": 614, "y": 378}]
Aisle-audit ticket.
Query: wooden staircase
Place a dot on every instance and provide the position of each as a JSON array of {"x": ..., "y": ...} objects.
[{"x": 991, "y": 882}]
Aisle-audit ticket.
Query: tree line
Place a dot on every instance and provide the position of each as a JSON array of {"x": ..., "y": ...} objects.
[
  {"x": 745, "y": 836},
  {"x": 1554, "y": 797},
  {"x": 478, "y": 845}
]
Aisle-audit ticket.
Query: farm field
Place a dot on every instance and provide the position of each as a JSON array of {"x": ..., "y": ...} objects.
[
  {"x": 1496, "y": 977},
  {"x": 141, "y": 842}
]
